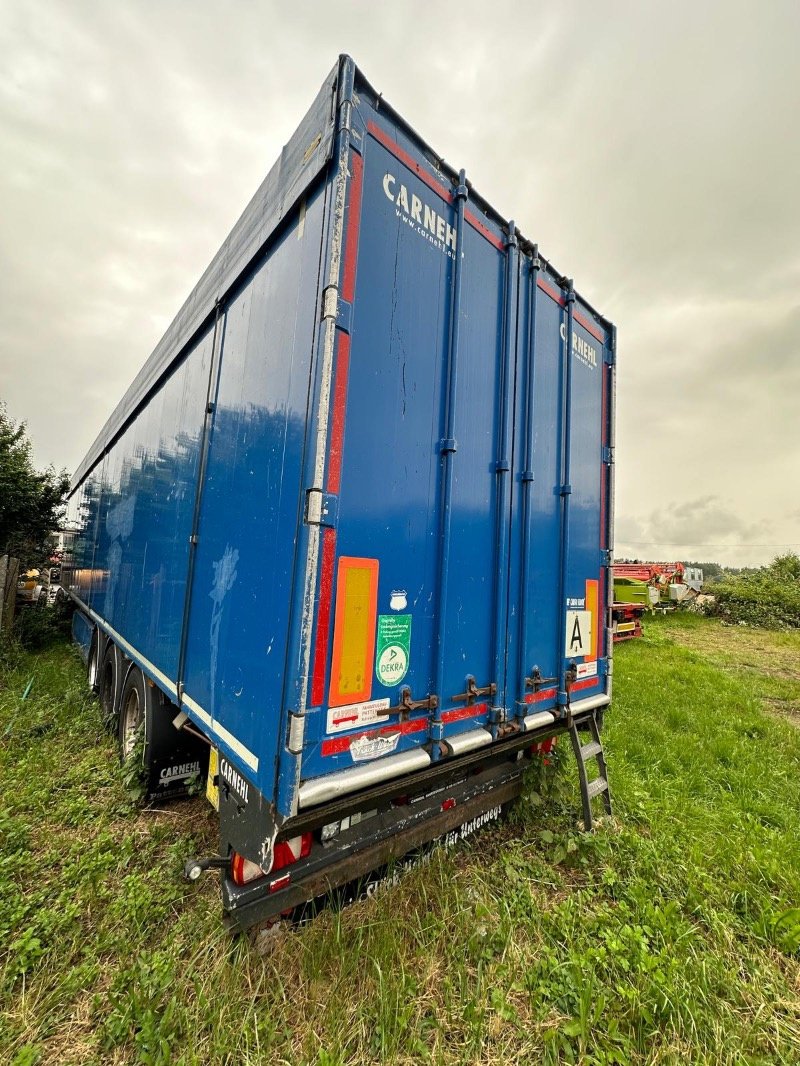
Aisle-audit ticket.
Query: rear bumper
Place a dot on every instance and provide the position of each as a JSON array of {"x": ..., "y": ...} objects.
[{"x": 406, "y": 814}]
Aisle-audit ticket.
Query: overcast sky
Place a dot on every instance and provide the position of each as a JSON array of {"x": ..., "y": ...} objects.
[{"x": 651, "y": 149}]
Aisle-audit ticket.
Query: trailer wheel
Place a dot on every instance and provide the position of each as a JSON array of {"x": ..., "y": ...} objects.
[
  {"x": 133, "y": 715},
  {"x": 93, "y": 663},
  {"x": 107, "y": 684},
  {"x": 141, "y": 720},
  {"x": 159, "y": 761}
]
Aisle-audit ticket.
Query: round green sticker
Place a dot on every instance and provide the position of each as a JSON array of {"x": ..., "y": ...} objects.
[{"x": 394, "y": 648}]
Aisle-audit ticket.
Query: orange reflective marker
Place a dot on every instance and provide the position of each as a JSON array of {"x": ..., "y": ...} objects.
[
  {"x": 354, "y": 631},
  {"x": 592, "y": 597}
]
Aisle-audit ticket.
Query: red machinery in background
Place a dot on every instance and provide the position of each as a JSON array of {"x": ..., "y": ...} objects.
[{"x": 643, "y": 586}]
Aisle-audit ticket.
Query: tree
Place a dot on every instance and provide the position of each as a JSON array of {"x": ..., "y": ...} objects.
[
  {"x": 786, "y": 567},
  {"x": 31, "y": 502}
]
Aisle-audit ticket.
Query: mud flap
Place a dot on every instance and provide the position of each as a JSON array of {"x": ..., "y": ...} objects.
[
  {"x": 247, "y": 823},
  {"x": 176, "y": 757}
]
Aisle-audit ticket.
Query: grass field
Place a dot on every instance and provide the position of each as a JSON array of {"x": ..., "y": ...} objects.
[{"x": 671, "y": 935}]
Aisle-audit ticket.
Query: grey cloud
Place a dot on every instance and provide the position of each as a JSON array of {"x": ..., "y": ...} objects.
[
  {"x": 703, "y": 527},
  {"x": 692, "y": 520},
  {"x": 649, "y": 149}
]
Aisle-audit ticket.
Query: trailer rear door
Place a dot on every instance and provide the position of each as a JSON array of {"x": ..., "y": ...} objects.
[{"x": 455, "y": 554}]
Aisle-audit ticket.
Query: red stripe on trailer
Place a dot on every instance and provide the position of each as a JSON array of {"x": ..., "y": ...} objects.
[
  {"x": 586, "y": 683},
  {"x": 579, "y": 317},
  {"x": 554, "y": 294},
  {"x": 339, "y": 404},
  {"x": 539, "y": 697},
  {"x": 465, "y": 712},
  {"x": 353, "y": 220},
  {"x": 409, "y": 161},
  {"x": 323, "y": 616},
  {"x": 336, "y": 745},
  {"x": 484, "y": 231},
  {"x": 590, "y": 327}
]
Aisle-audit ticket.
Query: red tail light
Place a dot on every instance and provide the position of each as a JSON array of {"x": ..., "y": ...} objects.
[
  {"x": 289, "y": 851},
  {"x": 243, "y": 871},
  {"x": 544, "y": 748}
]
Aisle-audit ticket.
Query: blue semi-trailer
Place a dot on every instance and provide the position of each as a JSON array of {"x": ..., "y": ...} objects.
[{"x": 343, "y": 548}]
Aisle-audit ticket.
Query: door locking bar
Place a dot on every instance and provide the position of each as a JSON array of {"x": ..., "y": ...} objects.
[
  {"x": 407, "y": 705},
  {"x": 536, "y": 681},
  {"x": 570, "y": 677},
  {"x": 473, "y": 692}
]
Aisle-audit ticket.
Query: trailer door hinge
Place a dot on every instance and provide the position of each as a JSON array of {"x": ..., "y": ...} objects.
[
  {"x": 606, "y": 557},
  {"x": 358, "y": 127},
  {"x": 537, "y": 682},
  {"x": 608, "y": 456},
  {"x": 193, "y": 538},
  {"x": 330, "y": 302},
  {"x": 322, "y": 508},
  {"x": 344, "y": 315},
  {"x": 610, "y": 351},
  {"x": 333, "y": 306}
]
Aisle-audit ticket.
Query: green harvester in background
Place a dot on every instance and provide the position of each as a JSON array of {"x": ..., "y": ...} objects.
[{"x": 631, "y": 590}]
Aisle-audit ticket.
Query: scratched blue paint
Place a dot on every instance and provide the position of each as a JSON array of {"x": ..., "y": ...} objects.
[{"x": 252, "y": 497}]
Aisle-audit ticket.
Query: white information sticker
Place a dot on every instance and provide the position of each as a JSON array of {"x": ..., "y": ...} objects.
[
  {"x": 587, "y": 669},
  {"x": 578, "y": 636},
  {"x": 355, "y": 715}
]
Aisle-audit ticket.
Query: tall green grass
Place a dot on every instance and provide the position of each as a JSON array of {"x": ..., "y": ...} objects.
[{"x": 670, "y": 935}]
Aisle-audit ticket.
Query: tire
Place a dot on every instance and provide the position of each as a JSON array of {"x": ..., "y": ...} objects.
[
  {"x": 108, "y": 684},
  {"x": 93, "y": 663},
  {"x": 167, "y": 758},
  {"x": 134, "y": 716}
]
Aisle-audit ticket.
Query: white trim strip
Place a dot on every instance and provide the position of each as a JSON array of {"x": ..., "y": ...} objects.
[
  {"x": 537, "y": 720},
  {"x": 235, "y": 745},
  {"x": 318, "y": 789},
  {"x": 132, "y": 652},
  {"x": 220, "y": 731},
  {"x": 469, "y": 741},
  {"x": 590, "y": 703},
  {"x": 195, "y": 707}
]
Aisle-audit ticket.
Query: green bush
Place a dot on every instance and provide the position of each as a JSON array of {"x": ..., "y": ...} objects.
[
  {"x": 34, "y": 629},
  {"x": 769, "y": 597}
]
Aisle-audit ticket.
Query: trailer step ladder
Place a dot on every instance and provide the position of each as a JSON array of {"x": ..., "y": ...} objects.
[{"x": 584, "y": 753}]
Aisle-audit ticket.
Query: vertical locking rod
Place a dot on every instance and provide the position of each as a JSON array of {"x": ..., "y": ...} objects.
[{"x": 448, "y": 447}]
